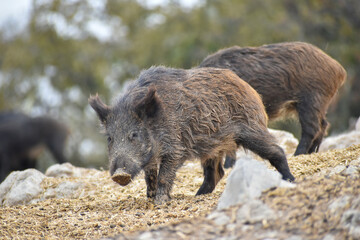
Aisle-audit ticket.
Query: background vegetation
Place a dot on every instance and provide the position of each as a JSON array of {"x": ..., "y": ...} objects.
[{"x": 71, "y": 49}]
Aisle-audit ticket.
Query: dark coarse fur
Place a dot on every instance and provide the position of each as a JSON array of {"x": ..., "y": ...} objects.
[
  {"x": 293, "y": 77},
  {"x": 22, "y": 138},
  {"x": 170, "y": 115}
]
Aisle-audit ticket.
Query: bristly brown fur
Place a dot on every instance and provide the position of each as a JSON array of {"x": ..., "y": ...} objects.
[
  {"x": 290, "y": 77},
  {"x": 186, "y": 114}
]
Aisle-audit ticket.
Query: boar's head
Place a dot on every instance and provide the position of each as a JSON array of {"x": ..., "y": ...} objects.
[{"x": 131, "y": 146}]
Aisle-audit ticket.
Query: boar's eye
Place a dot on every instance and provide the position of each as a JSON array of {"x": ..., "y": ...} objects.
[
  {"x": 109, "y": 139},
  {"x": 133, "y": 136}
]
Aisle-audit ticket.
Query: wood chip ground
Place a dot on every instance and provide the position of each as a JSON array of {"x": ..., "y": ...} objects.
[{"x": 105, "y": 209}]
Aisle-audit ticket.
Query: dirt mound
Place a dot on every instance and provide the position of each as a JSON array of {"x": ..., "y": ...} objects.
[{"x": 107, "y": 209}]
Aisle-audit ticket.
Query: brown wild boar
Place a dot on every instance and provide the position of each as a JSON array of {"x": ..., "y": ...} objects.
[
  {"x": 170, "y": 115},
  {"x": 292, "y": 77}
]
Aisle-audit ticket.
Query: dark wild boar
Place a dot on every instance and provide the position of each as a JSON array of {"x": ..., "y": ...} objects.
[
  {"x": 293, "y": 77},
  {"x": 170, "y": 115},
  {"x": 22, "y": 139}
]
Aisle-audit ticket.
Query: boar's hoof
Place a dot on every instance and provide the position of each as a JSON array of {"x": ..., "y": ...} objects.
[
  {"x": 161, "y": 199},
  {"x": 151, "y": 194},
  {"x": 121, "y": 177}
]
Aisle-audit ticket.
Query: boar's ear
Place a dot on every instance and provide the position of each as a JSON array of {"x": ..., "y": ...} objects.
[
  {"x": 149, "y": 105},
  {"x": 100, "y": 108}
]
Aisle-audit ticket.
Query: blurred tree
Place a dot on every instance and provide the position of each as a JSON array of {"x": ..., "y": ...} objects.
[
  {"x": 334, "y": 26},
  {"x": 59, "y": 60},
  {"x": 47, "y": 70}
]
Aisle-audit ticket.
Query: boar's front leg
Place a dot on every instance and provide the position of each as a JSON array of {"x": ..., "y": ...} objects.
[
  {"x": 167, "y": 174},
  {"x": 151, "y": 182}
]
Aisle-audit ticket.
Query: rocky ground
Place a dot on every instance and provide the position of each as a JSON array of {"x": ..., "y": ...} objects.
[{"x": 325, "y": 204}]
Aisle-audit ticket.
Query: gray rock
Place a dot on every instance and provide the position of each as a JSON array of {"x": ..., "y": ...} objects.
[
  {"x": 65, "y": 189},
  {"x": 336, "y": 170},
  {"x": 339, "y": 203},
  {"x": 219, "y": 218},
  {"x": 247, "y": 181},
  {"x": 63, "y": 170},
  {"x": 146, "y": 236},
  {"x": 267, "y": 235},
  {"x": 341, "y": 141},
  {"x": 351, "y": 170},
  {"x": 255, "y": 211},
  {"x": 355, "y": 204},
  {"x": 355, "y": 162},
  {"x": 231, "y": 227},
  {"x": 21, "y": 187},
  {"x": 286, "y": 141},
  {"x": 351, "y": 220},
  {"x": 294, "y": 238},
  {"x": 329, "y": 237},
  {"x": 357, "y": 125}
]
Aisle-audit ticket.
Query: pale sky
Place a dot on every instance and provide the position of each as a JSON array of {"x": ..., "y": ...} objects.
[
  {"x": 17, "y": 11},
  {"x": 14, "y": 11}
]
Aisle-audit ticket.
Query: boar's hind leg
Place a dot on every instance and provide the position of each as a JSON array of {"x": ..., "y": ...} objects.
[
  {"x": 311, "y": 135},
  {"x": 263, "y": 144},
  {"x": 213, "y": 172},
  {"x": 230, "y": 159},
  {"x": 151, "y": 182}
]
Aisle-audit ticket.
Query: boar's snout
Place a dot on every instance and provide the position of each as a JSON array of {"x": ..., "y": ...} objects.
[
  {"x": 123, "y": 170},
  {"x": 121, "y": 177}
]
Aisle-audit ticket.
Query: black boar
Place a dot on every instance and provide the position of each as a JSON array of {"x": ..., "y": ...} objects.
[
  {"x": 292, "y": 77},
  {"x": 22, "y": 139},
  {"x": 170, "y": 115}
]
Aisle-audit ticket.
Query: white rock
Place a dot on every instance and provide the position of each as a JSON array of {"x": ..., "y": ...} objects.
[
  {"x": 21, "y": 187},
  {"x": 329, "y": 237},
  {"x": 352, "y": 170},
  {"x": 339, "y": 203},
  {"x": 65, "y": 189},
  {"x": 357, "y": 125},
  {"x": 146, "y": 236},
  {"x": 294, "y": 238},
  {"x": 267, "y": 235},
  {"x": 341, "y": 141},
  {"x": 286, "y": 140},
  {"x": 255, "y": 211},
  {"x": 247, "y": 181},
  {"x": 222, "y": 220},
  {"x": 336, "y": 170},
  {"x": 355, "y": 162},
  {"x": 68, "y": 170},
  {"x": 219, "y": 218},
  {"x": 356, "y": 203},
  {"x": 351, "y": 220},
  {"x": 63, "y": 170}
]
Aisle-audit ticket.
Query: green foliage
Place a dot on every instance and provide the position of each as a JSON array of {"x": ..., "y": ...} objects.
[{"x": 74, "y": 59}]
